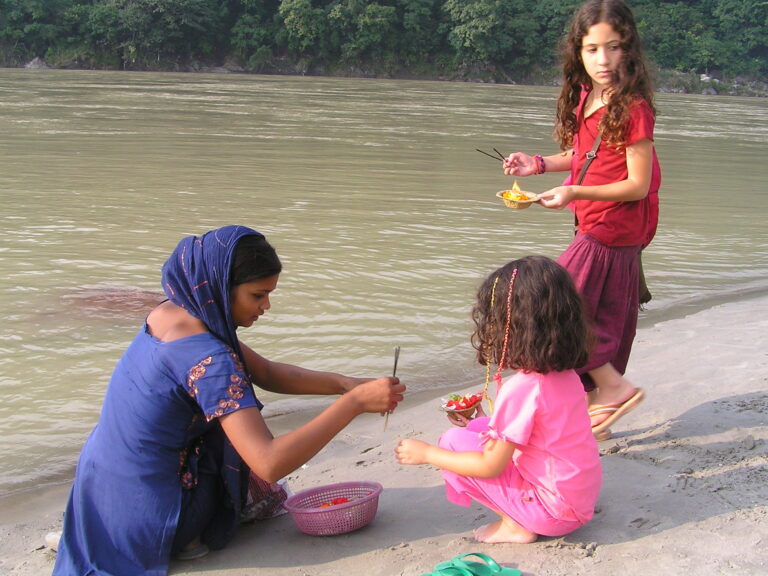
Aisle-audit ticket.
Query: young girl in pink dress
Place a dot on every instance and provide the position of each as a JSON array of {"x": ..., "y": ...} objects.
[
  {"x": 535, "y": 461},
  {"x": 606, "y": 93}
]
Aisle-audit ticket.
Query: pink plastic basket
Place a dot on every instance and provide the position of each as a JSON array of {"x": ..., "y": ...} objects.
[{"x": 315, "y": 520}]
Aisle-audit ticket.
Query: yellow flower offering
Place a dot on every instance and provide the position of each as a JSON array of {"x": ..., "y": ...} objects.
[
  {"x": 515, "y": 193},
  {"x": 516, "y": 198}
]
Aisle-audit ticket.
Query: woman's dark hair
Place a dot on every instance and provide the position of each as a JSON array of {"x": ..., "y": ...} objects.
[
  {"x": 631, "y": 80},
  {"x": 547, "y": 327},
  {"x": 254, "y": 259}
]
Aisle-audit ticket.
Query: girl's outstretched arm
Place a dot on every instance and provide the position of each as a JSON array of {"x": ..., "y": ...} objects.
[
  {"x": 634, "y": 187},
  {"x": 486, "y": 464},
  {"x": 521, "y": 164}
]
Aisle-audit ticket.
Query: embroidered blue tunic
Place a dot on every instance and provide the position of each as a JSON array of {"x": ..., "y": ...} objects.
[
  {"x": 140, "y": 461},
  {"x": 158, "y": 450}
]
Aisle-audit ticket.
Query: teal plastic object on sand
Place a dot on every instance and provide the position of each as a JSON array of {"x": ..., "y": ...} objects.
[{"x": 460, "y": 567}]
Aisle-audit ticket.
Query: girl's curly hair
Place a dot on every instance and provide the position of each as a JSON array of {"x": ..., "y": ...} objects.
[
  {"x": 547, "y": 330},
  {"x": 631, "y": 80}
]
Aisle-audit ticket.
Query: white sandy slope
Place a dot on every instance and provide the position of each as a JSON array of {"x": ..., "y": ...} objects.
[{"x": 685, "y": 481}]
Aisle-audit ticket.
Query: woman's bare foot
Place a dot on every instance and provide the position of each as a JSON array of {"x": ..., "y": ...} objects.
[{"x": 504, "y": 530}]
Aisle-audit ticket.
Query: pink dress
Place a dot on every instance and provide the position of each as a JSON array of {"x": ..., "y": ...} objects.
[{"x": 553, "y": 480}]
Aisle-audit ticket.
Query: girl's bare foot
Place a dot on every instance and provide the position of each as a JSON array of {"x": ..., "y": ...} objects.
[
  {"x": 504, "y": 530},
  {"x": 612, "y": 391}
]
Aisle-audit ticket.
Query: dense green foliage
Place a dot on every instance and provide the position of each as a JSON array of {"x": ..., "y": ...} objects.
[{"x": 492, "y": 39}]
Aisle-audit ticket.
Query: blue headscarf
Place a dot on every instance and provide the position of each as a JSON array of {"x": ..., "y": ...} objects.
[{"x": 196, "y": 278}]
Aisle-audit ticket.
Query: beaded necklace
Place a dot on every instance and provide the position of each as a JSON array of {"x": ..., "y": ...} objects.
[{"x": 497, "y": 376}]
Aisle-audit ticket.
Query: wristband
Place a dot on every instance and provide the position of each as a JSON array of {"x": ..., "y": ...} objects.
[{"x": 541, "y": 166}]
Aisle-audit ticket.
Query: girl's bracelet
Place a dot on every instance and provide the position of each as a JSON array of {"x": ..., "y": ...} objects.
[{"x": 541, "y": 166}]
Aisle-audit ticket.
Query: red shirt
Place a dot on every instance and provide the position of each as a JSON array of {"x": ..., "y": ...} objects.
[{"x": 630, "y": 223}]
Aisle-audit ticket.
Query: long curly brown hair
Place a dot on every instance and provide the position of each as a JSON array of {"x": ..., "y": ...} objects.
[
  {"x": 541, "y": 321},
  {"x": 631, "y": 80}
]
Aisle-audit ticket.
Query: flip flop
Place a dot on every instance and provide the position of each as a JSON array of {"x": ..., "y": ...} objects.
[
  {"x": 445, "y": 570},
  {"x": 615, "y": 411},
  {"x": 488, "y": 566},
  {"x": 603, "y": 435},
  {"x": 194, "y": 553}
]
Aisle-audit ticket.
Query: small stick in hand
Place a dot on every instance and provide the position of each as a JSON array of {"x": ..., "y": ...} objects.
[{"x": 394, "y": 372}]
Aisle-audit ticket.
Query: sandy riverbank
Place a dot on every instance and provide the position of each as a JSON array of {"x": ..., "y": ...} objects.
[{"x": 685, "y": 489}]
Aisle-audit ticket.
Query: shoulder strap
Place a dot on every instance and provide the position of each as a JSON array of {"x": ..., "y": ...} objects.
[{"x": 591, "y": 155}]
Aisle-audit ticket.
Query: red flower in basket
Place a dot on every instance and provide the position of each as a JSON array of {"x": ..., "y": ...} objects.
[
  {"x": 464, "y": 405},
  {"x": 335, "y": 502}
]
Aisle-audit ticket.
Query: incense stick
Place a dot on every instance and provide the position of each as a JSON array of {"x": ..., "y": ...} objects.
[
  {"x": 394, "y": 372},
  {"x": 490, "y": 155}
]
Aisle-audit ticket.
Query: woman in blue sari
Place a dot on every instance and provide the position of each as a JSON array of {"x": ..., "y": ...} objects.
[{"x": 165, "y": 470}]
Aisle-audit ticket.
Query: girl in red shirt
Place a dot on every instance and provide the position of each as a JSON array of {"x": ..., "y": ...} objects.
[{"x": 606, "y": 92}]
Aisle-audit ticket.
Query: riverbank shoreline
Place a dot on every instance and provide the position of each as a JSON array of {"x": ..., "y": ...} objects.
[
  {"x": 684, "y": 479},
  {"x": 284, "y": 413},
  {"x": 666, "y": 81}
]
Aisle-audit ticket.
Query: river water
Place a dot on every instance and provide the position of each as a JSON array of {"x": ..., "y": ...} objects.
[{"x": 372, "y": 192}]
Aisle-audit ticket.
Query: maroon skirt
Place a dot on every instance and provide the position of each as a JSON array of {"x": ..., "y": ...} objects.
[{"x": 608, "y": 280}]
